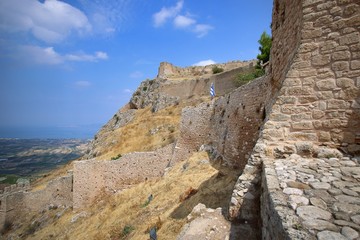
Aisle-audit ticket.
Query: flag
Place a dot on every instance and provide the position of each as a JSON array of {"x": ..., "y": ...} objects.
[{"x": 212, "y": 90}]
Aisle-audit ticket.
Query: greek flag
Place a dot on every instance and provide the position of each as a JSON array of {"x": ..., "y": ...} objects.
[{"x": 212, "y": 90}]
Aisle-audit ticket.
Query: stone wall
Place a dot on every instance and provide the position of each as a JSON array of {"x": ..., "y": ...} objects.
[
  {"x": 316, "y": 110},
  {"x": 160, "y": 93},
  {"x": 21, "y": 200},
  {"x": 168, "y": 70},
  {"x": 230, "y": 124},
  {"x": 92, "y": 177}
]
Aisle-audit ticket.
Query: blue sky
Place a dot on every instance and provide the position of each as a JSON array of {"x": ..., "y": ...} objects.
[{"x": 74, "y": 63}]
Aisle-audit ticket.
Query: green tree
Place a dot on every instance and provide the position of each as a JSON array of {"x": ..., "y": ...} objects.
[{"x": 265, "y": 46}]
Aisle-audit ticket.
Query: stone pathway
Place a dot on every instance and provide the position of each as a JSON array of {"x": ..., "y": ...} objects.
[{"x": 323, "y": 193}]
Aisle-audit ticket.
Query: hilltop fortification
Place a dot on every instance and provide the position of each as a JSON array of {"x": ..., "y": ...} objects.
[{"x": 292, "y": 136}]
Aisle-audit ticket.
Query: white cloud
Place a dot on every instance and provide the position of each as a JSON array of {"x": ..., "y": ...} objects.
[
  {"x": 136, "y": 74},
  {"x": 108, "y": 17},
  {"x": 50, "y": 21},
  {"x": 202, "y": 29},
  {"x": 82, "y": 57},
  {"x": 39, "y": 55},
  {"x": 181, "y": 21},
  {"x": 48, "y": 56},
  {"x": 165, "y": 14},
  {"x": 82, "y": 84},
  {"x": 204, "y": 62}
]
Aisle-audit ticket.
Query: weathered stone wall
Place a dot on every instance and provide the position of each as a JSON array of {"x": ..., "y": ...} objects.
[
  {"x": 160, "y": 93},
  {"x": 92, "y": 177},
  {"x": 168, "y": 70},
  {"x": 230, "y": 124},
  {"x": 21, "y": 200},
  {"x": 316, "y": 107},
  {"x": 319, "y": 99}
]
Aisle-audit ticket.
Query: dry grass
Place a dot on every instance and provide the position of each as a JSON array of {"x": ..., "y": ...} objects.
[
  {"x": 148, "y": 131},
  {"x": 111, "y": 216}
]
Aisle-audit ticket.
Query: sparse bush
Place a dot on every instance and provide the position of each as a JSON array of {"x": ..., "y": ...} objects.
[
  {"x": 116, "y": 157},
  {"x": 217, "y": 69},
  {"x": 244, "y": 78},
  {"x": 126, "y": 231},
  {"x": 144, "y": 89}
]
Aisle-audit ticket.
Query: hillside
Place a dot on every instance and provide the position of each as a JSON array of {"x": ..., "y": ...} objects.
[{"x": 278, "y": 157}]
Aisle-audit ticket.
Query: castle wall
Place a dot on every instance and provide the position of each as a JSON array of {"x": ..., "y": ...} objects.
[
  {"x": 19, "y": 200},
  {"x": 316, "y": 109},
  {"x": 91, "y": 177},
  {"x": 230, "y": 123},
  {"x": 168, "y": 70},
  {"x": 224, "y": 83}
]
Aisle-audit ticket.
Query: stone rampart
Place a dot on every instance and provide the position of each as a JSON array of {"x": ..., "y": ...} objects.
[
  {"x": 92, "y": 177},
  {"x": 315, "y": 112},
  {"x": 22, "y": 200},
  {"x": 230, "y": 124},
  {"x": 169, "y": 71}
]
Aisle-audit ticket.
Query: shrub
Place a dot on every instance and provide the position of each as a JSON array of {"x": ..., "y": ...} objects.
[
  {"x": 126, "y": 231},
  {"x": 144, "y": 89},
  {"x": 244, "y": 78},
  {"x": 217, "y": 69},
  {"x": 117, "y": 157}
]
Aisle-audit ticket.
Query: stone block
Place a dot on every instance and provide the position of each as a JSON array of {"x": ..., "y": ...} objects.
[
  {"x": 345, "y": 82},
  {"x": 353, "y": 21},
  {"x": 308, "y": 47},
  {"x": 325, "y": 6},
  {"x": 317, "y": 114},
  {"x": 337, "y": 104},
  {"x": 350, "y": 38},
  {"x": 341, "y": 55},
  {"x": 355, "y": 64},
  {"x": 324, "y": 136},
  {"x": 308, "y": 81},
  {"x": 301, "y": 117},
  {"x": 311, "y": 34},
  {"x": 308, "y": 73},
  {"x": 325, "y": 95},
  {"x": 307, "y": 99},
  {"x": 328, "y": 45},
  {"x": 340, "y": 66},
  {"x": 304, "y": 125},
  {"x": 311, "y": 2},
  {"x": 327, "y": 84},
  {"x": 320, "y": 60},
  {"x": 279, "y": 117},
  {"x": 336, "y": 11},
  {"x": 332, "y": 123},
  {"x": 290, "y": 82},
  {"x": 302, "y": 136},
  {"x": 323, "y": 21}
]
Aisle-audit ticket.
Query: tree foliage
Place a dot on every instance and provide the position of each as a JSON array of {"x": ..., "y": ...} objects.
[{"x": 265, "y": 42}]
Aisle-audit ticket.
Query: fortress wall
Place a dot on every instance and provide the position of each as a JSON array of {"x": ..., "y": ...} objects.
[
  {"x": 15, "y": 204},
  {"x": 316, "y": 107},
  {"x": 168, "y": 70},
  {"x": 58, "y": 192},
  {"x": 224, "y": 83},
  {"x": 230, "y": 123},
  {"x": 319, "y": 101},
  {"x": 92, "y": 177}
]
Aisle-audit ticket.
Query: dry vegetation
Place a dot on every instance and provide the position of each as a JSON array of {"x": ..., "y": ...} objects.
[{"x": 128, "y": 215}]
